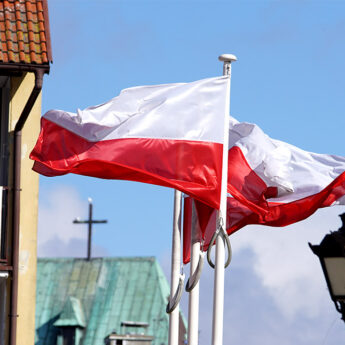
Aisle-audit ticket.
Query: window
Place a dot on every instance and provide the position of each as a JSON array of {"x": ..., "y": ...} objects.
[{"x": 66, "y": 336}]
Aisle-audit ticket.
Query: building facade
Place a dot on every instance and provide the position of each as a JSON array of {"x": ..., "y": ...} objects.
[{"x": 25, "y": 56}]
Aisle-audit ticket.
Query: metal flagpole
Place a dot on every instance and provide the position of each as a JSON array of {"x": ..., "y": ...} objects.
[
  {"x": 175, "y": 269},
  {"x": 218, "y": 292},
  {"x": 89, "y": 230},
  {"x": 193, "y": 302}
]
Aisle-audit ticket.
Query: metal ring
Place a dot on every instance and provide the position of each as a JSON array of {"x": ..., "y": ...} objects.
[
  {"x": 195, "y": 277},
  {"x": 227, "y": 244},
  {"x": 214, "y": 237},
  {"x": 173, "y": 303}
]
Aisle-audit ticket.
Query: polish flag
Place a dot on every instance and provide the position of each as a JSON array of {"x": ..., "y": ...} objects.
[
  {"x": 170, "y": 135},
  {"x": 269, "y": 183}
]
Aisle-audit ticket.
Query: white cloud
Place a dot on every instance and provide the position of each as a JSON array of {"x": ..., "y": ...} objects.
[
  {"x": 285, "y": 264},
  {"x": 57, "y": 235},
  {"x": 75, "y": 247}
]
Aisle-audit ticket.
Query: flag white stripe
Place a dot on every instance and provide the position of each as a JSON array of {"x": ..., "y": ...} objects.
[
  {"x": 296, "y": 173},
  {"x": 173, "y": 111}
]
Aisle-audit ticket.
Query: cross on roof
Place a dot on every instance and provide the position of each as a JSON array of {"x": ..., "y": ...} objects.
[{"x": 89, "y": 221}]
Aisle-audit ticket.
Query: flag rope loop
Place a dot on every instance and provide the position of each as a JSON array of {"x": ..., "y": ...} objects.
[
  {"x": 220, "y": 231},
  {"x": 195, "y": 277},
  {"x": 173, "y": 302}
]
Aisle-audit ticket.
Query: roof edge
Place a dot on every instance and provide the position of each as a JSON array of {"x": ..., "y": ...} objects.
[
  {"x": 22, "y": 67},
  {"x": 104, "y": 258},
  {"x": 47, "y": 30},
  {"x": 163, "y": 282}
]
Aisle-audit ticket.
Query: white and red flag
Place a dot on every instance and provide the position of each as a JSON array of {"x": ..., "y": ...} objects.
[
  {"x": 269, "y": 183},
  {"x": 170, "y": 135}
]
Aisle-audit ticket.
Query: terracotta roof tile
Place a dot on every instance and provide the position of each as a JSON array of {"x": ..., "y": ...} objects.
[{"x": 24, "y": 32}]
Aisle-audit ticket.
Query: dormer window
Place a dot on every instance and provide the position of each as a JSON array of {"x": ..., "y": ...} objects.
[{"x": 70, "y": 323}]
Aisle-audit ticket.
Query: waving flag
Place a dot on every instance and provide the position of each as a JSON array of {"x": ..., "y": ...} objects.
[
  {"x": 269, "y": 183},
  {"x": 170, "y": 135}
]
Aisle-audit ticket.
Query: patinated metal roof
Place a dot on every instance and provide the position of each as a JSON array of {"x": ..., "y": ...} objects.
[
  {"x": 24, "y": 32},
  {"x": 110, "y": 290},
  {"x": 71, "y": 315}
]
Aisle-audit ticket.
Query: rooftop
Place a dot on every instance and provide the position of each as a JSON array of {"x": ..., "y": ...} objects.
[
  {"x": 24, "y": 32},
  {"x": 101, "y": 294}
]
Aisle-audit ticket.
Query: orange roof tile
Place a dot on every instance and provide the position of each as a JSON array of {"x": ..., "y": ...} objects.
[{"x": 24, "y": 32}]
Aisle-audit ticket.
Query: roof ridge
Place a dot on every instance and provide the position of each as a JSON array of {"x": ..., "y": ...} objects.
[{"x": 149, "y": 258}]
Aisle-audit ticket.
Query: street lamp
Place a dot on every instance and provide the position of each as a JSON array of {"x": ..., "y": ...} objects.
[{"x": 331, "y": 253}]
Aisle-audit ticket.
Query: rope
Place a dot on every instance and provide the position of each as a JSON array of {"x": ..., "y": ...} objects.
[
  {"x": 195, "y": 277},
  {"x": 173, "y": 303}
]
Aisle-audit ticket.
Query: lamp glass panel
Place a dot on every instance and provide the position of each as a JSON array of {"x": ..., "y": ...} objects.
[{"x": 335, "y": 268}]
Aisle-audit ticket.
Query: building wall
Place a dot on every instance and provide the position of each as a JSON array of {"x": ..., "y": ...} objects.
[{"x": 21, "y": 88}]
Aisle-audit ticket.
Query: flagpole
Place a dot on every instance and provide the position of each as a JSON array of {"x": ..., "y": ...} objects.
[
  {"x": 218, "y": 292},
  {"x": 193, "y": 302},
  {"x": 175, "y": 268}
]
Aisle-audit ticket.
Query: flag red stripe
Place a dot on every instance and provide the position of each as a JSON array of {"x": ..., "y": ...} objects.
[
  {"x": 241, "y": 213},
  {"x": 244, "y": 184},
  {"x": 194, "y": 167}
]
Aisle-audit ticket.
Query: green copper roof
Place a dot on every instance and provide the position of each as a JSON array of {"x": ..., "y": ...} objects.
[
  {"x": 99, "y": 294},
  {"x": 72, "y": 314}
]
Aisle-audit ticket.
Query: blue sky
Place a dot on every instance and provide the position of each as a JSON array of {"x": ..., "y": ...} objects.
[{"x": 289, "y": 79}]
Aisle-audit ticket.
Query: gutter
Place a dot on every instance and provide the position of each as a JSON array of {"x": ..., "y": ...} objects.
[
  {"x": 39, "y": 72},
  {"x": 12, "y": 68}
]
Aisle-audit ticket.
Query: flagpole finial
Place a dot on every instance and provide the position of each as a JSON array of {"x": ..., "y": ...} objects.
[{"x": 227, "y": 58}]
